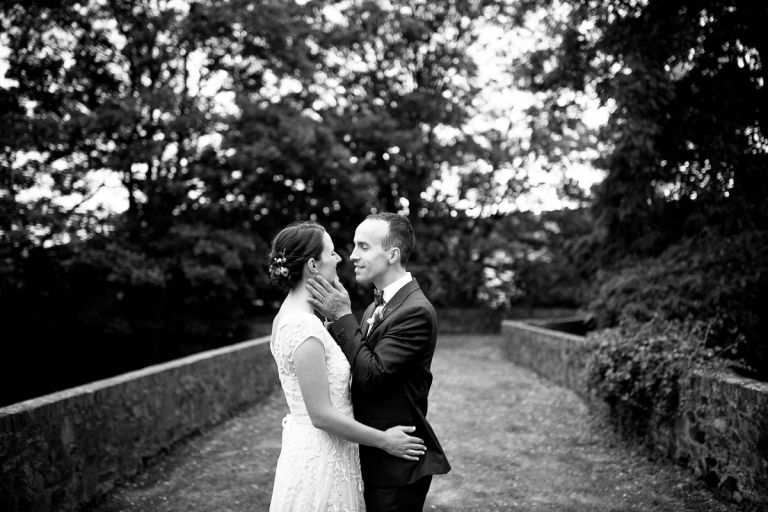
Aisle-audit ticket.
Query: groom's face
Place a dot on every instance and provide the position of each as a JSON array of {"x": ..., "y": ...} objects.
[{"x": 370, "y": 258}]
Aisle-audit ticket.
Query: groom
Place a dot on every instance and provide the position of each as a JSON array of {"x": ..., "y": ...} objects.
[{"x": 390, "y": 354}]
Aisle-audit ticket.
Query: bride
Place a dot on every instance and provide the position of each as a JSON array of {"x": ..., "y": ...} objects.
[{"x": 319, "y": 467}]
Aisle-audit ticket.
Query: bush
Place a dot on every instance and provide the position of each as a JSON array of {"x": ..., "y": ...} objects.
[
  {"x": 93, "y": 309},
  {"x": 637, "y": 367},
  {"x": 719, "y": 280}
]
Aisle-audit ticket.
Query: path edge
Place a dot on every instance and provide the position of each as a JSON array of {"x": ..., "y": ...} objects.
[{"x": 721, "y": 432}]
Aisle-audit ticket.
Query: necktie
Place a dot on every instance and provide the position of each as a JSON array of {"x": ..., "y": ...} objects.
[{"x": 378, "y": 297}]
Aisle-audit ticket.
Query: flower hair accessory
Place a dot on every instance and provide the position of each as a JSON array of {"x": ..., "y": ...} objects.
[{"x": 278, "y": 265}]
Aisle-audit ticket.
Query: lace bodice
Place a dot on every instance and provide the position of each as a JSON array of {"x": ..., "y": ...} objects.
[{"x": 293, "y": 330}]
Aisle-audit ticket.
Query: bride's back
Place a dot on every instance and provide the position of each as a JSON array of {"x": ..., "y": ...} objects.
[{"x": 289, "y": 330}]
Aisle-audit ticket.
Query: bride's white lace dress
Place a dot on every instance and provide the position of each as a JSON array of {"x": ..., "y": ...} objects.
[{"x": 316, "y": 471}]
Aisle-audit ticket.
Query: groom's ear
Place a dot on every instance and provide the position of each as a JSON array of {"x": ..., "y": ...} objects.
[{"x": 394, "y": 256}]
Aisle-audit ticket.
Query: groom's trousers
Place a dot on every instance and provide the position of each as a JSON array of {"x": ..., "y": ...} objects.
[{"x": 408, "y": 498}]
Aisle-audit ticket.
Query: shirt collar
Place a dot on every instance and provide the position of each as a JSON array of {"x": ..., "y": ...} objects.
[{"x": 389, "y": 291}]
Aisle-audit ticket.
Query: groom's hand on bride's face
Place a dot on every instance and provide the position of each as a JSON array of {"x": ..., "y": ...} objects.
[{"x": 330, "y": 299}]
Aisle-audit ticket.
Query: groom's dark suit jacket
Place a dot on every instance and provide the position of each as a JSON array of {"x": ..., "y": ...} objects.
[{"x": 391, "y": 378}]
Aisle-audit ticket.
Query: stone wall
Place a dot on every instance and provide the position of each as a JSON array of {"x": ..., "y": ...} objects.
[
  {"x": 486, "y": 320},
  {"x": 552, "y": 354},
  {"x": 721, "y": 432},
  {"x": 60, "y": 451}
]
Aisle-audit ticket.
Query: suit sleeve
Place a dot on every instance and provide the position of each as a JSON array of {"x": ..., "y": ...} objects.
[{"x": 403, "y": 342}]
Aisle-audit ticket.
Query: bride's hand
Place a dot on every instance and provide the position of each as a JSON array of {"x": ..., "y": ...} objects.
[{"x": 397, "y": 442}]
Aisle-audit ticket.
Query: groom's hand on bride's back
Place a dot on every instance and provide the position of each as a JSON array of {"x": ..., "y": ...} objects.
[{"x": 330, "y": 299}]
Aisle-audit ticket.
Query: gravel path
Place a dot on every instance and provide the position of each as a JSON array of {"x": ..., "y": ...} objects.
[{"x": 516, "y": 443}]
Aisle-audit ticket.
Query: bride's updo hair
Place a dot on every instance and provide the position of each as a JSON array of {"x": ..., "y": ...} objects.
[{"x": 291, "y": 249}]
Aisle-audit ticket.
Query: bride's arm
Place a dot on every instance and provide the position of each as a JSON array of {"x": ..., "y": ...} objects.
[{"x": 309, "y": 361}]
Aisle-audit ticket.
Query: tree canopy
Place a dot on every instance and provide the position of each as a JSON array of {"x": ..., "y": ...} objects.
[
  {"x": 683, "y": 211},
  {"x": 220, "y": 121},
  {"x": 217, "y": 122},
  {"x": 685, "y": 142}
]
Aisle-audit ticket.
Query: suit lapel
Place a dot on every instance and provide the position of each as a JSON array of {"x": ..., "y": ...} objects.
[{"x": 394, "y": 303}]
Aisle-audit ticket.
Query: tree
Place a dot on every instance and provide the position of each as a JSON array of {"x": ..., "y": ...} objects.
[
  {"x": 130, "y": 89},
  {"x": 406, "y": 91},
  {"x": 685, "y": 154},
  {"x": 686, "y": 144},
  {"x": 222, "y": 121}
]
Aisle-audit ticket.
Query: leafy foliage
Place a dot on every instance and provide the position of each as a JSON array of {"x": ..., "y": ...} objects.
[
  {"x": 554, "y": 263},
  {"x": 128, "y": 91},
  {"x": 88, "y": 311},
  {"x": 499, "y": 261},
  {"x": 638, "y": 367},
  {"x": 682, "y": 212},
  {"x": 686, "y": 139},
  {"x": 723, "y": 280},
  {"x": 220, "y": 122}
]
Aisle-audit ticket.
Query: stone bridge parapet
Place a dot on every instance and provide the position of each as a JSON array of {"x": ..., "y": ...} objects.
[
  {"x": 60, "y": 451},
  {"x": 721, "y": 430}
]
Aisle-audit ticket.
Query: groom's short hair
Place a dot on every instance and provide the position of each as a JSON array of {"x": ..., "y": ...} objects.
[{"x": 400, "y": 233}]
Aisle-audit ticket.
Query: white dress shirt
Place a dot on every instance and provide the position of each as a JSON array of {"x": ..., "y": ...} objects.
[{"x": 387, "y": 293}]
